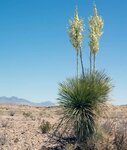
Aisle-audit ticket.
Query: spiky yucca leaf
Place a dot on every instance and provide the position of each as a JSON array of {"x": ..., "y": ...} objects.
[{"x": 80, "y": 101}]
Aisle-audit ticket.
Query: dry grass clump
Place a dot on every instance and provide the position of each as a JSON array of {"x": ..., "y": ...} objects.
[{"x": 114, "y": 137}]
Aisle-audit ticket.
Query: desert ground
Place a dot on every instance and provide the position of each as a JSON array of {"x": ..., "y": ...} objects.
[{"x": 20, "y": 125}]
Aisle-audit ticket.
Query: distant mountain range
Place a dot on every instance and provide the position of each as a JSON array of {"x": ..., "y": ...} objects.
[{"x": 20, "y": 101}]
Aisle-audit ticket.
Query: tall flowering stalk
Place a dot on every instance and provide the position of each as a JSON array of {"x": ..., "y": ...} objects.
[
  {"x": 75, "y": 33},
  {"x": 96, "y": 25}
]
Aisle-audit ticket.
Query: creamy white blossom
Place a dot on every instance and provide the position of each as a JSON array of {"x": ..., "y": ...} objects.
[
  {"x": 75, "y": 30},
  {"x": 96, "y": 26}
]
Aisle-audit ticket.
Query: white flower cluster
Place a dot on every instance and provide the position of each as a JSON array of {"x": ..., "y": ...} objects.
[
  {"x": 96, "y": 26},
  {"x": 75, "y": 31}
]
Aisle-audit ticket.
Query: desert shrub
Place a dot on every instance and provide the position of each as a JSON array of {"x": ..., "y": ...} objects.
[
  {"x": 80, "y": 100},
  {"x": 16, "y": 140},
  {"x": 12, "y": 113},
  {"x": 108, "y": 126},
  {"x": 27, "y": 114},
  {"x": 3, "y": 139},
  {"x": 4, "y": 124},
  {"x": 45, "y": 126},
  {"x": 120, "y": 141}
]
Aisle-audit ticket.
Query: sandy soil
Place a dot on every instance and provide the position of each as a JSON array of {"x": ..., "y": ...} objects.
[{"x": 19, "y": 125}]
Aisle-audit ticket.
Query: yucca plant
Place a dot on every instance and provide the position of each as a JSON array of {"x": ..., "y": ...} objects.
[
  {"x": 95, "y": 27},
  {"x": 80, "y": 102},
  {"x": 75, "y": 32}
]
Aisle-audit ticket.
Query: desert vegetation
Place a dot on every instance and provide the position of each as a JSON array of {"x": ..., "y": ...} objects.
[
  {"x": 81, "y": 97},
  {"x": 84, "y": 118}
]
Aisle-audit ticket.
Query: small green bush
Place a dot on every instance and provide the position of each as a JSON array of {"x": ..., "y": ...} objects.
[{"x": 45, "y": 126}]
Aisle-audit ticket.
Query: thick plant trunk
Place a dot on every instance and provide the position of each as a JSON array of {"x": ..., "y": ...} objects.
[{"x": 81, "y": 62}]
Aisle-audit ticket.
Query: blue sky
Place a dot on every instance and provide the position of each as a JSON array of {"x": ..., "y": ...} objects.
[{"x": 35, "y": 52}]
